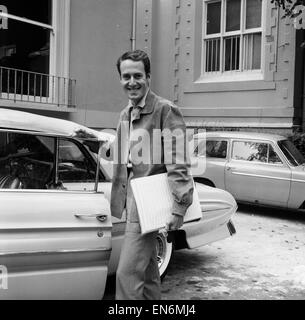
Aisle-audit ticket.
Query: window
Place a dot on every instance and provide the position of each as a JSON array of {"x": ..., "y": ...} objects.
[
  {"x": 294, "y": 156},
  {"x": 73, "y": 165},
  {"x": 25, "y": 44},
  {"x": 26, "y": 161},
  {"x": 212, "y": 149},
  {"x": 29, "y": 161},
  {"x": 216, "y": 149},
  {"x": 232, "y": 37},
  {"x": 255, "y": 151},
  {"x": 33, "y": 49}
]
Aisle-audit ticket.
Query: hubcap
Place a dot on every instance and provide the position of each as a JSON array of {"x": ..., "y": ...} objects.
[{"x": 161, "y": 250}]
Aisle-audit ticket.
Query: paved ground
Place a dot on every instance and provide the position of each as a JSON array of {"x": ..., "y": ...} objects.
[{"x": 264, "y": 260}]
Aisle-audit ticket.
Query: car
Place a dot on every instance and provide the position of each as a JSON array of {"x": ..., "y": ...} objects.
[
  {"x": 57, "y": 237},
  {"x": 256, "y": 168}
]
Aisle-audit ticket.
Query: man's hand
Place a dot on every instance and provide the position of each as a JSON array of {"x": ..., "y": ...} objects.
[{"x": 175, "y": 222}]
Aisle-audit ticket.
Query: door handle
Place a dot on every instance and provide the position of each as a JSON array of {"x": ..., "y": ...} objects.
[
  {"x": 230, "y": 168},
  {"x": 99, "y": 216}
]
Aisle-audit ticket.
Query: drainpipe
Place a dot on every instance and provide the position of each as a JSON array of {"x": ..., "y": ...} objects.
[{"x": 134, "y": 24}]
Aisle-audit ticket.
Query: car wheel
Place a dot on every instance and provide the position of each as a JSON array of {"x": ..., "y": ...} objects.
[{"x": 164, "y": 254}]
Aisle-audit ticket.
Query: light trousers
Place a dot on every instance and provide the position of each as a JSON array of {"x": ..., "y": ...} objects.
[{"x": 137, "y": 276}]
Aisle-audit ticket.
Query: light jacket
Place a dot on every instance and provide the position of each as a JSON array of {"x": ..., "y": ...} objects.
[{"x": 158, "y": 115}]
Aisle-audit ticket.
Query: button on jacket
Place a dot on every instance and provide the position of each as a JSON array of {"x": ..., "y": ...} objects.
[{"x": 157, "y": 116}]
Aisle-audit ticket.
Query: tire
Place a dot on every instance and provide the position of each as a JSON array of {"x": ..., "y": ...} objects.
[{"x": 164, "y": 254}]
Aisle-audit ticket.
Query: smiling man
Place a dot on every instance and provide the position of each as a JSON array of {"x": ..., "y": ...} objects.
[{"x": 138, "y": 274}]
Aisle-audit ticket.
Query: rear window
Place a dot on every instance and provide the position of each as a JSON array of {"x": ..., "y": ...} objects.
[{"x": 212, "y": 149}]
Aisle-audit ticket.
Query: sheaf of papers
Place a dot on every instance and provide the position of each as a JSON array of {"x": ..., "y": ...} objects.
[{"x": 154, "y": 202}]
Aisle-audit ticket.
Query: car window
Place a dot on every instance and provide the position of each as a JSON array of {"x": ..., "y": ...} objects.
[
  {"x": 255, "y": 151},
  {"x": 291, "y": 152},
  {"x": 26, "y": 161},
  {"x": 212, "y": 149},
  {"x": 273, "y": 156},
  {"x": 216, "y": 149},
  {"x": 73, "y": 165}
]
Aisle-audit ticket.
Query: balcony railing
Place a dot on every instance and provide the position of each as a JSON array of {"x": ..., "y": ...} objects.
[{"x": 33, "y": 87}]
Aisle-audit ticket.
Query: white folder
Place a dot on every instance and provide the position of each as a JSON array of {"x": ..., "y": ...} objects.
[{"x": 154, "y": 202}]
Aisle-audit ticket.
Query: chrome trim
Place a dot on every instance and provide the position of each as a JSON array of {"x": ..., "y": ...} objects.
[
  {"x": 259, "y": 176},
  {"x": 99, "y": 216},
  {"x": 218, "y": 209},
  {"x": 216, "y": 201},
  {"x": 56, "y": 159},
  {"x": 51, "y": 191},
  {"x": 297, "y": 180},
  {"x": 97, "y": 173},
  {"x": 13, "y": 253}
]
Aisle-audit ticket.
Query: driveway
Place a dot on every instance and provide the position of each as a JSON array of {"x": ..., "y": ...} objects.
[{"x": 264, "y": 260}]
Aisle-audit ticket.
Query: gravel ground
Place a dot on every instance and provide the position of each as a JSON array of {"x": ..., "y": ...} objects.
[{"x": 264, "y": 260}]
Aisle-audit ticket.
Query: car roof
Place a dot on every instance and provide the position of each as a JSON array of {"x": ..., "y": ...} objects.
[
  {"x": 240, "y": 135},
  {"x": 25, "y": 121}
]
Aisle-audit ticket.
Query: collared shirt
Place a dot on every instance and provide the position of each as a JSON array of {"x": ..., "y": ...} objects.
[
  {"x": 134, "y": 111},
  {"x": 132, "y": 214},
  {"x": 141, "y": 104}
]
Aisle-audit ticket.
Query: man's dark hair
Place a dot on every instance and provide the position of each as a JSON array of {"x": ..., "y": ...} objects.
[{"x": 136, "y": 55}]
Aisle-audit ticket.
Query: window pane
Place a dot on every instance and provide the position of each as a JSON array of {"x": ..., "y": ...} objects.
[
  {"x": 273, "y": 156},
  {"x": 294, "y": 156},
  {"x": 252, "y": 51},
  {"x": 26, "y": 161},
  {"x": 250, "y": 151},
  {"x": 212, "y": 55},
  {"x": 74, "y": 166},
  {"x": 253, "y": 13},
  {"x": 37, "y": 10},
  {"x": 213, "y": 17},
  {"x": 26, "y": 47},
  {"x": 232, "y": 53},
  {"x": 233, "y": 15},
  {"x": 216, "y": 149}
]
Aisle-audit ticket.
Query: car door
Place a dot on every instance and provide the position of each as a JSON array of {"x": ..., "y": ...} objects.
[
  {"x": 55, "y": 243},
  {"x": 69, "y": 163},
  {"x": 256, "y": 173},
  {"x": 212, "y": 151}
]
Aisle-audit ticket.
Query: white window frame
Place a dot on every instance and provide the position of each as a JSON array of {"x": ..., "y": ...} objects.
[
  {"x": 232, "y": 75},
  {"x": 59, "y": 41}
]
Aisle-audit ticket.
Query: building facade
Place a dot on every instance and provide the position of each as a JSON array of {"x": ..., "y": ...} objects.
[{"x": 225, "y": 63}]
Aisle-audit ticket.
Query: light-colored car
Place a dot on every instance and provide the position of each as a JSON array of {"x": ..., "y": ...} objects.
[
  {"x": 254, "y": 167},
  {"x": 57, "y": 237}
]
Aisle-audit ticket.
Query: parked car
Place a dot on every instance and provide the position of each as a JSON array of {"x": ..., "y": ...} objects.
[
  {"x": 57, "y": 237},
  {"x": 254, "y": 167}
]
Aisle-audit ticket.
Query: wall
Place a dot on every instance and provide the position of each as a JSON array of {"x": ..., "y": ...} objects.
[
  {"x": 100, "y": 33},
  {"x": 265, "y": 103}
]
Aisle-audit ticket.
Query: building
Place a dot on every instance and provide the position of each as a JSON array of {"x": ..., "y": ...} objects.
[{"x": 226, "y": 63}]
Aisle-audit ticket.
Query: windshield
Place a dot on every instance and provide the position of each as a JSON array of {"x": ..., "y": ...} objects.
[{"x": 293, "y": 155}]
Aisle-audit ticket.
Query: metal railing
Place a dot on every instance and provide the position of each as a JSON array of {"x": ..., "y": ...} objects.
[
  {"x": 212, "y": 55},
  {"x": 28, "y": 86}
]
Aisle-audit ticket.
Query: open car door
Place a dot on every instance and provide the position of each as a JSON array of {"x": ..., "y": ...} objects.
[{"x": 55, "y": 243}]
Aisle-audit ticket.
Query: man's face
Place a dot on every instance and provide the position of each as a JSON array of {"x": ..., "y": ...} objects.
[{"x": 134, "y": 79}]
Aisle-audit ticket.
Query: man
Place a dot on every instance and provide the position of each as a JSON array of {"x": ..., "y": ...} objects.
[{"x": 138, "y": 274}]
